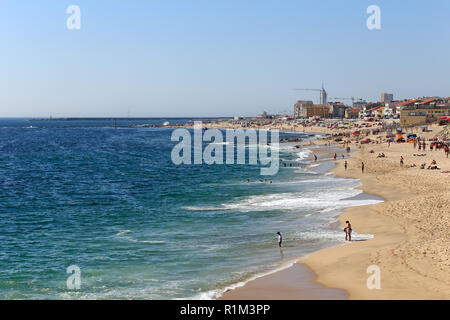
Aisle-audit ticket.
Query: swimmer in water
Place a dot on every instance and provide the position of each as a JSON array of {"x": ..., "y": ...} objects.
[{"x": 280, "y": 239}]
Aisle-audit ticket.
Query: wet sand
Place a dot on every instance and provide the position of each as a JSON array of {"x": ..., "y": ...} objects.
[{"x": 293, "y": 283}]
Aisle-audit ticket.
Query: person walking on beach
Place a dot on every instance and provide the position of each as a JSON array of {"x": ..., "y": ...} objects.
[
  {"x": 401, "y": 161},
  {"x": 280, "y": 239},
  {"x": 362, "y": 167},
  {"x": 315, "y": 158},
  {"x": 345, "y": 165},
  {"x": 335, "y": 156},
  {"x": 348, "y": 231}
]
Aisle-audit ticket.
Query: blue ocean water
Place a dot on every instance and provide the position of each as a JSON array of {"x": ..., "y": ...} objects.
[{"x": 111, "y": 202}]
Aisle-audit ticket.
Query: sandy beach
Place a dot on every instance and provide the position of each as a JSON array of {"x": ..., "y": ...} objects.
[{"x": 411, "y": 243}]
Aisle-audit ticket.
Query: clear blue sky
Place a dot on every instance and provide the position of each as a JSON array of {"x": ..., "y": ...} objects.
[{"x": 214, "y": 58}]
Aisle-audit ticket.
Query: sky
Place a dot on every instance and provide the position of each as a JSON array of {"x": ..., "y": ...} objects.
[{"x": 188, "y": 58}]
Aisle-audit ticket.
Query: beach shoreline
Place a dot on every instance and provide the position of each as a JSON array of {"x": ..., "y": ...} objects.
[
  {"x": 297, "y": 281},
  {"x": 410, "y": 244}
]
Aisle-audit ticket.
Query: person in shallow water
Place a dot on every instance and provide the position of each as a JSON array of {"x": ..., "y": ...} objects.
[
  {"x": 348, "y": 231},
  {"x": 280, "y": 239}
]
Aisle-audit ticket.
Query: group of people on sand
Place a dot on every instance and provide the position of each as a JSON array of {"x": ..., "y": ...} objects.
[
  {"x": 440, "y": 146},
  {"x": 432, "y": 166},
  {"x": 437, "y": 145}
]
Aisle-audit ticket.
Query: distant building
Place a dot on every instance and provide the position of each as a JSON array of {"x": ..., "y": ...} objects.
[
  {"x": 324, "y": 96},
  {"x": 359, "y": 104},
  {"x": 378, "y": 112},
  {"x": 387, "y": 97},
  {"x": 306, "y": 109},
  {"x": 352, "y": 113},
  {"x": 423, "y": 112},
  {"x": 337, "y": 110},
  {"x": 409, "y": 103},
  {"x": 368, "y": 110},
  {"x": 300, "y": 108}
]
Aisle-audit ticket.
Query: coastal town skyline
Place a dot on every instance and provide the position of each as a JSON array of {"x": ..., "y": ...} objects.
[{"x": 213, "y": 59}]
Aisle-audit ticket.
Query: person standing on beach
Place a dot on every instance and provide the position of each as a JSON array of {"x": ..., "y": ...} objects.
[
  {"x": 345, "y": 165},
  {"x": 348, "y": 231},
  {"x": 315, "y": 158},
  {"x": 335, "y": 156},
  {"x": 280, "y": 239},
  {"x": 362, "y": 167}
]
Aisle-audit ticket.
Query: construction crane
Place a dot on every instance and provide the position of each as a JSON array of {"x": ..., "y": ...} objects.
[
  {"x": 323, "y": 94},
  {"x": 352, "y": 98}
]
